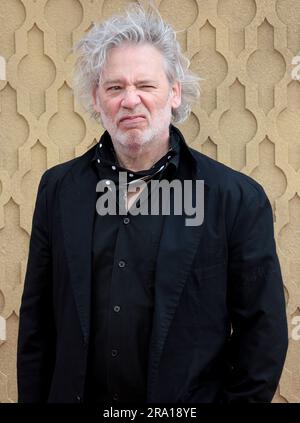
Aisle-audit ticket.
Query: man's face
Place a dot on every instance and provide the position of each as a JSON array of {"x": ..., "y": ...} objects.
[{"x": 134, "y": 97}]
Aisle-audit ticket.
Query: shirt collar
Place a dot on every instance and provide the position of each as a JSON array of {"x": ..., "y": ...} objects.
[{"x": 105, "y": 159}]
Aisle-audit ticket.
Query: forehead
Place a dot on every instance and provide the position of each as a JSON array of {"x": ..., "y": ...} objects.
[{"x": 139, "y": 60}]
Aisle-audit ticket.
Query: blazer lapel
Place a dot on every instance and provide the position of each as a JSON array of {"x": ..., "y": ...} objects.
[
  {"x": 175, "y": 257},
  {"x": 78, "y": 204}
]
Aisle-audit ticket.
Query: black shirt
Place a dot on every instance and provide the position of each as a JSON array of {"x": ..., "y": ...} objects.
[{"x": 124, "y": 256}]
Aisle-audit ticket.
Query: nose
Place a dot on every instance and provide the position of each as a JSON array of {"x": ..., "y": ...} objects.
[{"x": 130, "y": 99}]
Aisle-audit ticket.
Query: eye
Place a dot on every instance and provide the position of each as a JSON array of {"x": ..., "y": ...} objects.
[
  {"x": 147, "y": 86},
  {"x": 114, "y": 88}
]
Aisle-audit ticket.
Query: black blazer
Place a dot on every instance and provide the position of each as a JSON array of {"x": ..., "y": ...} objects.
[{"x": 220, "y": 277}]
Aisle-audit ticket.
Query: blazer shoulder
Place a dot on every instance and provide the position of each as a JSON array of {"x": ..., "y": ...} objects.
[
  {"x": 57, "y": 172},
  {"x": 228, "y": 180}
]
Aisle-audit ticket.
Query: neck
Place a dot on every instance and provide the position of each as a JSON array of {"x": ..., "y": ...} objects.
[{"x": 142, "y": 158}]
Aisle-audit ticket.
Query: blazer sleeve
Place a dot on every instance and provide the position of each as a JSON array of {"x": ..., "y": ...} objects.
[
  {"x": 36, "y": 337},
  {"x": 256, "y": 303}
]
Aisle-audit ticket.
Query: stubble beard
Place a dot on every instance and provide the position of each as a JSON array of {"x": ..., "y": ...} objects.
[{"x": 139, "y": 138}]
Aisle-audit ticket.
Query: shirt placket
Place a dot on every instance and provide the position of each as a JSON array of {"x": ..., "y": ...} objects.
[{"x": 117, "y": 308}]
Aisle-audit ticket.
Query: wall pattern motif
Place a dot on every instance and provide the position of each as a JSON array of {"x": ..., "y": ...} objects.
[{"x": 248, "y": 118}]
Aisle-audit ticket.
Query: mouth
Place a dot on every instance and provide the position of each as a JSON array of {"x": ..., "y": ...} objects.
[{"x": 132, "y": 119}]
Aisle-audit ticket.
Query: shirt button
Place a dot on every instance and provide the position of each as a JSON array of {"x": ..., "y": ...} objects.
[
  {"x": 114, "y": 353},
  {"x": 78, "y": 398},
  {"x": 115, "y": 397},
  {"x": 126, "y": 220},
  {"x": 117, "y": 309},
  {"x": 122, "y": 263}
]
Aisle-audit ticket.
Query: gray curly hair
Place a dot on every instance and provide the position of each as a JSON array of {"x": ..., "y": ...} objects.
[{"x": 136, "y": 26}]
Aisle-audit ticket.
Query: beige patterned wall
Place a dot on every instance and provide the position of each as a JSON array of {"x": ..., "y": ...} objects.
[{"x": 248, "y": 118}]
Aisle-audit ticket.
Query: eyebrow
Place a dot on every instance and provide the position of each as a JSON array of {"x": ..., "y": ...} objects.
[
  {"x": 120, "y": 81},
  {"x": 112, "y": 81}
]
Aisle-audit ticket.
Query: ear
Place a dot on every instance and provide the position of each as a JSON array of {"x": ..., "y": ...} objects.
[
  {"x": 96, "y": 103},
  {"x": 176, "y": 95}
]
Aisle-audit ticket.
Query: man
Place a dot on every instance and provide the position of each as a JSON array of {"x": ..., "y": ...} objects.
[{"x": 143, "y": 307}]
